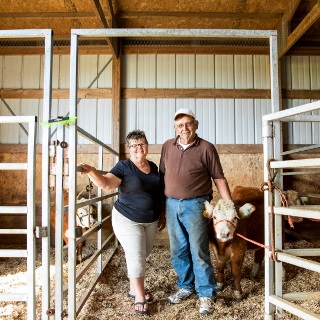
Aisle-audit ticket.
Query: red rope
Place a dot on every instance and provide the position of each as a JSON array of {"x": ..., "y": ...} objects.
[{"x": 256, "y": 243}]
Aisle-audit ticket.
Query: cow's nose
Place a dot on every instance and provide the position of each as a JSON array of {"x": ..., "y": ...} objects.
[{"x": 224, "y": 234}]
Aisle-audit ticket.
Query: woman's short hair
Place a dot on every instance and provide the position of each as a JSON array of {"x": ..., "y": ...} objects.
[{"x": 136, "y": 135}]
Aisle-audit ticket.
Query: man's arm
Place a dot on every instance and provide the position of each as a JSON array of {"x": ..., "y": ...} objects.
[{"x": 223, "y": 188}]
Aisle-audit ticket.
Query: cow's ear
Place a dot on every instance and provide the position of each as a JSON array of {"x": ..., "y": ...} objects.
[
  {"x": 303, "y": 200},
  {"x": 209, "y": 210},
  {"x": 246, "y": 210}
]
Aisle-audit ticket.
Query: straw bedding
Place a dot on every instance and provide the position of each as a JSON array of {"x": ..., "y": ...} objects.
[{"x": 109, "y": 298}]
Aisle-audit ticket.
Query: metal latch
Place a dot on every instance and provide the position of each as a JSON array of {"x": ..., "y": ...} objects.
[{"x": 41, "y": 232}]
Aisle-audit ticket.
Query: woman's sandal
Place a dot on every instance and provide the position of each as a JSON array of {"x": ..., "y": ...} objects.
[
  {"x": 148, "y": 295},
  {"x": 141, "y": 311}
]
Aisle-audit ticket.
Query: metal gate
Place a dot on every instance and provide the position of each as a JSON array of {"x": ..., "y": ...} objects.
[
  {"x": 275, "y": 299},
  {"x": 29, "y": 211},
  {"x": 66, "y": 302}
]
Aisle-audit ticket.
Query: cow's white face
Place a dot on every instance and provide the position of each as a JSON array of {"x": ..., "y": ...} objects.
[
  {"x": 225, "y": 220},
  {"x": 225, "y": 217},
  {"x": 84, "y": 216}
]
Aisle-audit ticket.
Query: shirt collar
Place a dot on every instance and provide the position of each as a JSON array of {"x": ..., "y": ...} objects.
[{"x": 195, "y": 142}]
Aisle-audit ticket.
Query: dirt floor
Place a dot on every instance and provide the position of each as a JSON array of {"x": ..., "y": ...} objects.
[{"x": 109, "y": 298}]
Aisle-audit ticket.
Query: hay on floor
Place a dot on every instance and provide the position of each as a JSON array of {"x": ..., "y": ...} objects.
[{"x": 109, "y": 298}]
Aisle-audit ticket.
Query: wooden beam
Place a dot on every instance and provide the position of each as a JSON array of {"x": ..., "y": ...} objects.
[
  {"x": 104, "y": 23},
  {"x": 128, "y": 93},
  {"x": 131, "y": 49},
  {"x": 156, "y": 148},
  {"x": 153, "y": 148},
  {"x": 116, "y": 102},
  {"x": 211, "y": 15},
  {"x": 291, "y": 8},
  {"x": 304, "y": 25},
  {"x": 286, "y": 22},
  {"x": 301, "y": 94},
  {"x": 56, "y": 93},
  {"x": 110, "y": 13},
  {"x": 196, "y": 93},
  {"x": 47, "y": 15}
]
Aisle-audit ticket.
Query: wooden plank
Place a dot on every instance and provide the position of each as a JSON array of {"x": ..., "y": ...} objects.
[
  {"x": 104, "y": 24},
  {"x": 196, "y": 93},
  {"x": 291, "y": 8},
  {"x": 106, "y": 93},
  {"x": 301, "y": 94},
  {"x": 304, "y": 25},
  {"x": 199, "y": 15},
  {"x": 131, "y": 49},
  {"x": 116, "y": 102},
  {"x": 153, "y": 148},
  {"x": 110, "y": 14},
  {"x": 153, "y": 49},
  {"x": 56, "y": 93},
  {"x": 47, "y": 15}
]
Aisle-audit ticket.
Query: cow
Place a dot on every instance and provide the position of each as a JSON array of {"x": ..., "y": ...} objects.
[
  {"x": 84, "y": 219},
  {"x": 244, "y": 215}
]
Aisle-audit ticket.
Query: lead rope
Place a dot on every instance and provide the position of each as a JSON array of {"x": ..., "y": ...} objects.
[{"x": 271, "y": 186}]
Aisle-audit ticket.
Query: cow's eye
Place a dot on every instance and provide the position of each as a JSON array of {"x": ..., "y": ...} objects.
[{"x": 214, "y": 217}]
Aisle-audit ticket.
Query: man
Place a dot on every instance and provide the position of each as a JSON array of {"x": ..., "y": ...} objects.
[{"x": 187, "y": 165}]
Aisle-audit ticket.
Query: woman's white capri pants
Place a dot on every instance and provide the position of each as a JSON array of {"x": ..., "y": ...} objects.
[{"x": 137, "y": 240}]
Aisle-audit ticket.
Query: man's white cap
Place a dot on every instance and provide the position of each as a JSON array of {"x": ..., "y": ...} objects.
[{"x": 184, "y": 111}]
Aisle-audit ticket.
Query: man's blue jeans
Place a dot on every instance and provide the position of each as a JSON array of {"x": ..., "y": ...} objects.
[{"x": 189, "y": 245}]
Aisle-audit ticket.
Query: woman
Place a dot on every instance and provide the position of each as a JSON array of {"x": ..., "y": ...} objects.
[{"x": 135, "y": 216}]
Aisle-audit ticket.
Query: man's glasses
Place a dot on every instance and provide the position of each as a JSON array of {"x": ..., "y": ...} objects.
[
  {"x": 136, "y": 146},
  {"x": 187, "y": 124}
]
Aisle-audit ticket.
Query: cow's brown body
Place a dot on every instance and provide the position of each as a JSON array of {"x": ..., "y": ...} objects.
[
  {"x": 66, "y": 225},
  {"x": 234, "y": 250}
]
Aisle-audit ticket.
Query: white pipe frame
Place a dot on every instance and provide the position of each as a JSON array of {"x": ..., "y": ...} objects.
[{"x": 273, "y": 150}]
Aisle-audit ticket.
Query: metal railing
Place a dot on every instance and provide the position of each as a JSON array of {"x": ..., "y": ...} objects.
[
  {"x": 275, "y": 299},
  {"x": 29, "y": 211}
]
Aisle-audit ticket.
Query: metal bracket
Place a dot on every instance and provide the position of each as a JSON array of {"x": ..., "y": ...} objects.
[
  {"x": 99, "y": 226},
  {"x": 78, "y": 232},
  {"x": 41, "y": 232},
  {"x": 52, "y": 311}
]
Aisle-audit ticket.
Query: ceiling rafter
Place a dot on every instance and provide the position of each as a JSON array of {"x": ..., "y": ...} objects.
[
  {"x": 304, "y": 25},
  {"x": 291, "y": 9},
  {"x": 64, "y": 15},
  {"x": 285, "y": 27},
  {"x": 102, "y": 18},
  {"x": 110, "y": 12}
]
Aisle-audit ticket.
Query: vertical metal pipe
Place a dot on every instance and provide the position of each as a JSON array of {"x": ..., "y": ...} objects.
[
  {"x": 267, "y": 134},
  {"x": 277, "y": 145},
  {"x": 59, "y": 226},
  {"x": 31, "y": 217},
  {"x": 46, "y": 115},
  {"x": 99, "y": 235},
  {"x": 72, "y": 178}
]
